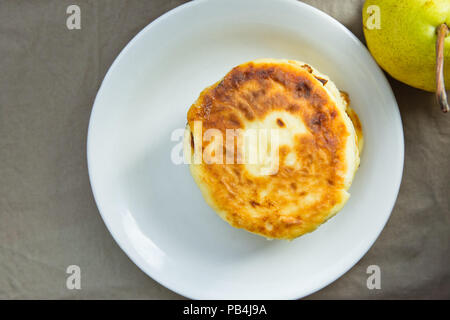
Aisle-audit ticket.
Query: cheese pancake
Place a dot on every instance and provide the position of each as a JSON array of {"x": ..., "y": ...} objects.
[{"x": 315, "y": 147}]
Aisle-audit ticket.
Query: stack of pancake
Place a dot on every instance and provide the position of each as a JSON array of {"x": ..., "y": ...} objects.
[{"x": 317, "y": 149}]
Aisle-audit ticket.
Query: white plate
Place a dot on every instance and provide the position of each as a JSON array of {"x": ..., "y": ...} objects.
[{"x": 153, "y": 208}]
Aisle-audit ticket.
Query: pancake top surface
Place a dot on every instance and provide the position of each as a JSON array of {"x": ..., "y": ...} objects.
[{"x": 317, "y": 151}]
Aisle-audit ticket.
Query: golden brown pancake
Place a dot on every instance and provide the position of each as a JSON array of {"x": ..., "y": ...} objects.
[{"x": 317, "y": 147}]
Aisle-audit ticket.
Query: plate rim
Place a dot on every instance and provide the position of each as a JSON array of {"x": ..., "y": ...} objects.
[{"x": 166, "y": 15}]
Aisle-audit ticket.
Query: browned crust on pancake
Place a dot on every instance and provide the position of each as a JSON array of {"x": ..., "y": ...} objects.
[
  {"x": 355, "y": 120},
  {"x": 249, "y": 92}
]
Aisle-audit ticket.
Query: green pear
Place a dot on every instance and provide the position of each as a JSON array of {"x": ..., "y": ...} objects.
[{"x": 402, "y": 36}]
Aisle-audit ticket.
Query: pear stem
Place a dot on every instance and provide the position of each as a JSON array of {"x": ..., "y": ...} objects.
[{"x": 441, "y": 95}]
